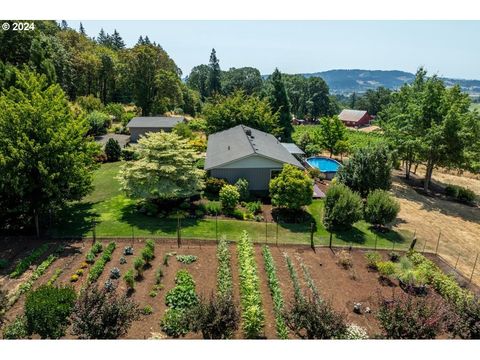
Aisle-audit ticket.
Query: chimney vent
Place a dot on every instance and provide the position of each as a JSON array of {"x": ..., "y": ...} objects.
[
  {"x": 248, "y": 132},
  {"x": 228, "y": 147}
]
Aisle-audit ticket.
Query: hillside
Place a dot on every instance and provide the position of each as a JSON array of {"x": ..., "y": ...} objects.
[{"x": 348, "y": 81}]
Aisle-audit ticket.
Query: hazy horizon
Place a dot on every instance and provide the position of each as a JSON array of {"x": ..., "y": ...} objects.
[{"x": 442, "y": 47}]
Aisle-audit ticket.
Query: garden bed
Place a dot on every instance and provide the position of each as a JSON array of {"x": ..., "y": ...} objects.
[{"x": 343, "y": 287}]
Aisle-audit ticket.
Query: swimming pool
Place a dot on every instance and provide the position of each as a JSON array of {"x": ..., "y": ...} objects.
[{"x": 323, "y": 164}]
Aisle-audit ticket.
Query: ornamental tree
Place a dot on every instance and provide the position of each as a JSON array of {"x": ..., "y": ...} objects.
[
  {"x": 291, "y": 189},
  {"x": 165, "y": 169},
  {"x": 229, "y": 197},
  {"x": 113, "y": 150},
  {"x": 332, "y": 132},
  {"x": 368, "y": 169}
]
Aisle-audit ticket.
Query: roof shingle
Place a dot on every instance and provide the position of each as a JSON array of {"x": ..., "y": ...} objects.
[{"x": 154, "y": 122}]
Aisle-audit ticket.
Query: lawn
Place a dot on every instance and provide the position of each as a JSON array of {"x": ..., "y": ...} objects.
[{"x": 115, "y": 215}]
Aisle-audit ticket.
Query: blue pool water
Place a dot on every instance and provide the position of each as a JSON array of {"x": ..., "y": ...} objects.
[{"x": 324, "y": 164}]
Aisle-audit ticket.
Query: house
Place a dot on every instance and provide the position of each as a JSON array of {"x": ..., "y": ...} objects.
[
  {"x": 139, "y": 126},
  {"x": 354, "y": 118},
  {"x": 244, "y": 152}
]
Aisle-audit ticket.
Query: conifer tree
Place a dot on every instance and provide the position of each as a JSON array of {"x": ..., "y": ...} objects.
[
  {"x": 279, "y": 101},
  {"x": 214, "y": 85}
]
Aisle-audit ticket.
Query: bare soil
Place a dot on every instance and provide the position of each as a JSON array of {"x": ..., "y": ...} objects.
[{"x": 343, "y": 287}]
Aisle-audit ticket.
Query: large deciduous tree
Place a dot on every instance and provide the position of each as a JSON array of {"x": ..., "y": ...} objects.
[
  {"x": 165, "y": 169},
  {"x": 238, "y": 109},
  {"x": 331, "y": 134},
  {"x": 430, "y": 123},
  {"x": 45, "y": 158}
]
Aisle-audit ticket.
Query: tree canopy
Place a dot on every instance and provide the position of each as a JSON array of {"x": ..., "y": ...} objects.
[
  {"x": 277, "y": 95},
  {"x": 291, "y": 189},
  {"x": 43, "y": 149},
  {"x": 165, "y": 169}
]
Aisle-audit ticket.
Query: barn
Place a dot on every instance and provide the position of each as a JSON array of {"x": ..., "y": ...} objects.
[
  {"x": 244, "y": 152},
  {"x": 354, "y": 118}
]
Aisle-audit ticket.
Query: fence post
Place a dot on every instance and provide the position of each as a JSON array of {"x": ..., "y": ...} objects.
[
  {"x": 94, "y": 231},
  {"x": 276, "y": 236},
  {"x": 456, "y": 262},
  {"x": 376, "y": 239},
  {"x": 216, "y": 226},
  {"x": 438, "y": 242},
  {"x": 473, "y": 269},
  {"x": 266, "y": 230},
  {"x": 178, "y": 230},
  {"x": 330, "y": 245}
]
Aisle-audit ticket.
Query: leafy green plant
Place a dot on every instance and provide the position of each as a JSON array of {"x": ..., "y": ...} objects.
[
  {"x": 158, "y": 276},
  {"x": 139, "y": 265},
  {"x": 224, "y": 271},
  {"x": 186, "y": 259},
  {"x": 386, "y": 269},
  {"x": 311, "y": 284},
  {"x": 147, "y": 310},
  {"x": 294, "y": 277},
  {"x": 96, "y": 249},
  {"x": 229, "y": 197},
  {"x": 47, "y": 310},
  {"x": 242, "y": 187},
  {"x": 253, "y": 316},
  {"x": 275, "y": 291},
  {"x": 25, "y": 263},
  {"x": 212, "y": 207},
  {"x": 344, "y": 259},
  {"x": 214, "y": 185},
  {"x": 129, "y": 278},
  {"x": 55, "y": 276},
  {"x": 254, "y": 207},
  {"x": 97, "y": 268},
  {"x": 17, "y": 329},
  {"x": 373, "y": 258}
]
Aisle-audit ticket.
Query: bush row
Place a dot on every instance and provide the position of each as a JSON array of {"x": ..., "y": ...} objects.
[
  {"x": 99, "y": 265},
  {"x": 252, "y": 315},
  {"x": 460, "y": 193},
  {"x": 277, "y": 297}
]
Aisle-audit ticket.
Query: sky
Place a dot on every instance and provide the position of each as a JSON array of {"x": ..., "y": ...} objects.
[{"x": 447, "y": 48}]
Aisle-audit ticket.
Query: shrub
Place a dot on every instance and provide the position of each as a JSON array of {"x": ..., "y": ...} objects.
[
  {"x": 291, "y": 189},
  {"x": 242, "y": 187},
  {"x": 466, "y": 323},
  {"x": 89, "y": 103},
  {"x": 79, "y": 272},
  {"x": 254, "y": 207},
  {"x": 102, "y": 314},
  {"x": 452, "y": 190},
  {"x": 129, "y": 154},
  {"x": 158, "y": 276},
  {"x": 386, "y": 269},
  {"x": 355, "y": 332},
  {"x": 83, "y": 265},
  {"x": 123, "y": 260},
  {"x": 47, "y": 310},
  {"x": 315, "y": 174},
  {"x": 314, "y": 319},
  {"x": 74, "y": 278},
  {"x": 115, "y": 273},
  {"x": 229, "y": 197},
  {"x": 238, "y": 214},
  {"x": 394, "y": 256},
  {"x": 129, "y": 279},
  {"x": 381, "y": 208},
  {"x": 116, "y": 110},
  {"x": 147, "y": 310},
  {"x": 139, "y": 265},
  {"x": 342, "y": 208},
  {"x": 213, "y": 208},
  {"x": 373, "y": 258},
  {"x": 186, "y": 259},
  {"x": 460, "y": 193},
  {"x": 109, "y": 285},
  {"x": 344, "y": 259},
  {"x": 182, "y": 129},
  {"x": 217, "y": 318},
  {"x": 113, "y": 150},
  {"x": 150, "y": 244},
  {"x": 175, "y": 323},
  {"x": 409, "y": 317},
  {"x": 98, "y": 123},
  {"x": 128, "y": 250},
  {"x": 147, "y": 255},
  {"x": 214, "y": 185},
  {"x": 90, "y": 258},
  {"x": 17, "y": 329}
]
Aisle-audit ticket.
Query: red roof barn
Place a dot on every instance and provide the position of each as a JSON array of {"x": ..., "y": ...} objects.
[{"x": 354, "y": 117}]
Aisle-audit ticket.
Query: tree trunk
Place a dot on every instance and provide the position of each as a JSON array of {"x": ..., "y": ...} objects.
[
  {"x": 408, "y": 166},
  {"x": 37, "y": 226},
  {"x": 428, "y": 175}
]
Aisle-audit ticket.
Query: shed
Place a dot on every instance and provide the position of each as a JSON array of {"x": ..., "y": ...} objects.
[
  {"x": 354, "y": 117},
  {"x": 139, "y": 126}
]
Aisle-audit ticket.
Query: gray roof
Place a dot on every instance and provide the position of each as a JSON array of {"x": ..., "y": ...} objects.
[
  {"x": 154, "y": 122},
  {"x": 293, "y": 148},
  {"x": 122, "y": 139},
  {"x": 234, "y": 144}
]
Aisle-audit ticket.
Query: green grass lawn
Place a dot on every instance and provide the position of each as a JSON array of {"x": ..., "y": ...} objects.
[
  {"x": 475, "y": 106},
  {"x": 115, "y": 216}
]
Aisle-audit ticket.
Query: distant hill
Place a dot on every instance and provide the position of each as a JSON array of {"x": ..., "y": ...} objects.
[{"x": 348, "y": 81}]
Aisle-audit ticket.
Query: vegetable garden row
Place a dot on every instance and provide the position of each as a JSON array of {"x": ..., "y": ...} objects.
[{"x": 156, "y": 290}]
